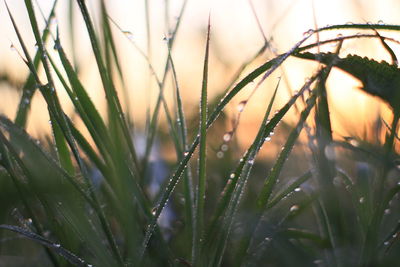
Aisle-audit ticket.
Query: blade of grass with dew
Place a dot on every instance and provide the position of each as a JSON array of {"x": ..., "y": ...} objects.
[
  {"x": 269, "y": 127},
  {"x": 272, "y": 177},
  {"x": 234, "y": 177},
  {"x": 187, "y": 175},
  {"x": 269, "y": 66},
  {"x": 110, "y": 91},
  {"x": 307, "y": 235},
  {"x": 201, "y": 185},
  {"x": 52, "y": 192},
  {"x": 60, "y": 141},
  {"x": 153, "y": 125},
  {"x": 10, "y": 168},
  {"x": 326, "y": 166},
  {"x": 110, "y": 47},
  {"x": 234, "y": 190},
  {"x": 30, "y": 85},
  {"x": 54, "y": 107},
  {"x": 72, "y": 258},
  {"x": 289, "y": 190}
]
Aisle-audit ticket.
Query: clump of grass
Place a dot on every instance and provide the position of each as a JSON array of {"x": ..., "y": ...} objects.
[{"x": 86, "y": 201}]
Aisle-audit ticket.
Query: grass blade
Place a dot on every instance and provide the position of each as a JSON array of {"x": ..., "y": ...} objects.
[
  {"x": 201, "y": 187},
  {"x": 57, "y": 248}
]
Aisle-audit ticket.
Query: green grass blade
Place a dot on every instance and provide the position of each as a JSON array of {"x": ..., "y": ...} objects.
[
  {"x": 267, "y": 67},
  {"x": 289, "y": 190},
  {"x": 182, "y": 132},
  {"x": 30, "y": 85},
  {"x": 57, "y": 248},
  {"x": 201, "y": 185},
  {"x": 110, "y": 91}
]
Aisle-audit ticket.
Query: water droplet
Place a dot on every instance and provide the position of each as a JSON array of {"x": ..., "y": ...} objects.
[
  {"x": 57, "y": 245},
  {"x": 12, "y": 47},
  {"x": 241, "y": 105},
  {"x": 76, "y": 98},
  {"x": 387, "y": 211},
  {"x": 224, "y": 147},
  {"x": 185, "y": 154},
  {"x": 36, "y": 46},
  {"x": 380, "y": 22},
  {"x": 26, "y": 101},
  {"x": 251, "y": 161},
  {"x": 154, "y": 211},
  {"x": 349, "y": 23},
  {"x": 337, "y": 181},
  {"x": 53, "y": 21},
  {"x": 50, "y": 122},
  {"x": 310, "y": 31},
  {"x": 267, "y": 139},
  {"x": 232, "y": 176},
  {"x": 297, "y": 189},
  {"x": 317, "y": 262},
  {"x": 386, "y": 243},
  {"x": 361, "y": 200},
  {"x": 129, "y": 35},
  {"x": 220, "y": 154},
  {"x": 227, "y": 137},
  {"x": 329, "y": 152},
  {"x": 294, "y": 208}
]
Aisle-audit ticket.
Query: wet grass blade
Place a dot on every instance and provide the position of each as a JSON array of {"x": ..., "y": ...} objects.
[
  {"x": 269, "y": 66},
  {"x": 110, "y": 91},
  {"x": 289, "y": 190},
  {"x": 57, "y": 248},
  {"x": 201, "y": 185},
  {"x": 30, "y": 85}
]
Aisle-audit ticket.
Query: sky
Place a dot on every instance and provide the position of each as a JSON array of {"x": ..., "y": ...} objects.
[{"x": 235, "y": 37}]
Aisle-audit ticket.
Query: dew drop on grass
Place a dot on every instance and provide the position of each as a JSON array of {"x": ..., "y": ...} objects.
[
  {"x": 232, "y": 176},
  {"x": 224, "y": 147},
  {"x": 185, "y": 154},
  {"x": 227, "y": 137},
  {"x": 317, "y": 262},
  {"x": 129, "y": 35},
  {"x": 241, "y": 105},
  {"x": 310, "y": 31},
  {"x": 220, "y": 154},
  {"x": 297, "y": 189},
  {"x": 380, "y": 22},
  {"x": 251, "y": 161},
  {"x": 294, "y": 208},
  {"x": 57, "y": 245},
  {"x": 361, "y": 200},
  {"x": 26, "y": 101},
  {"x": 329, "y": 152},
  {"x": 386, "y": 243},
  {"x": 12, "y": 48},
  {"x": 153, "y": 211},
  {"x": 337, "y": 181},
  {"x": 387, "y": 211}
]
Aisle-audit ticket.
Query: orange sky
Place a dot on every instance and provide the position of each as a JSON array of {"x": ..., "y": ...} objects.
[{"x": 235, "y": 37}]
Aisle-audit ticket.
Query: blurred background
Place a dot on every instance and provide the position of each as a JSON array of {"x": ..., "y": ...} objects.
[{"x": 240, "y": 28}]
